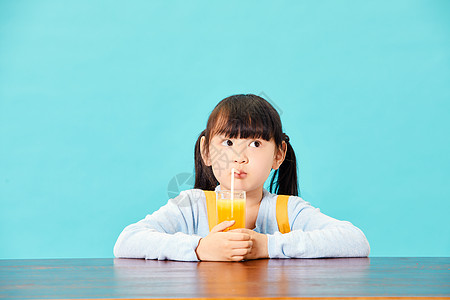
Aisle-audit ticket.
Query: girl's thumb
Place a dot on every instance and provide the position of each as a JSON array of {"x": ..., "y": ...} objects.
[{"x": 222, "y": 226}]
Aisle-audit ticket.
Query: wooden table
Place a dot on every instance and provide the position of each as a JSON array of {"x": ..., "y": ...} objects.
[{"x": 270, "y": 278}]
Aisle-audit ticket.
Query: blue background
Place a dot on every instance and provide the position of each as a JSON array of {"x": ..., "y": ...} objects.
[{"x": 101, "y": 103}]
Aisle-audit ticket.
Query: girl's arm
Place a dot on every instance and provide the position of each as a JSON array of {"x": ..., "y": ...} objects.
[
  {"x": 166, "y": 234},
  {"x": 314, "y": 234}
]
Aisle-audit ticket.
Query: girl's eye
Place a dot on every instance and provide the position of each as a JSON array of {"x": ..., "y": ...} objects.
[
  {"x": 257, "y": 143},
  {"x": 227, "y": 143}
]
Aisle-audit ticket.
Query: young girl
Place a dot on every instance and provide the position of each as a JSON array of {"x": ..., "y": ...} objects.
[{"x": 243, "y": 132}]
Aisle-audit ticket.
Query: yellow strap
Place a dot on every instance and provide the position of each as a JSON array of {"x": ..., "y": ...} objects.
[
  {"x": 211, "y": 208},
  {"x": 282, "y": 214}
]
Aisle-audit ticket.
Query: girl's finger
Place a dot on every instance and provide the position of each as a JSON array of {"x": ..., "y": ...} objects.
[
  {"x": 242, "y": 245},
  {"x": 239, "y": 252},
  {"x": 236, "y": 236},
  {"x": 237, "y": 258},
  {"x": 222, "y": 226}
]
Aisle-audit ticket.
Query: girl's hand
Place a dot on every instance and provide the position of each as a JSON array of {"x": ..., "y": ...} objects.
[
  {"x": 224, "y": 246},
  {"x": 259, "y": 248}
]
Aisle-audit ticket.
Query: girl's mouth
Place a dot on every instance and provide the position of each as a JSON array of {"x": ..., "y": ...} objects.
[{"x": 240, "y": 175}]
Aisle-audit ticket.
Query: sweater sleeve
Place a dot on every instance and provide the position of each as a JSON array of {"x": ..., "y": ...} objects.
[
  {"x": 316, "y": 235},
  {"x": 168, "y": 233}
]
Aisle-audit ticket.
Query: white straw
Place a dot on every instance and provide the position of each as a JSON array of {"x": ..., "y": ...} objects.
[{"x": 232, "y": 190}]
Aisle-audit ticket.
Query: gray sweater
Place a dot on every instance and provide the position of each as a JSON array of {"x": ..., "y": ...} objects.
[{"x": 174, "y": 231}]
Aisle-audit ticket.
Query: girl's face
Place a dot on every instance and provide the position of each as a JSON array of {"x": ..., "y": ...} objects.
[{"x": 252, "y": 158}]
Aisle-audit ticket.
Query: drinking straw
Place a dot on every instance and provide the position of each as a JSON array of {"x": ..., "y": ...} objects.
[{"x": 232, "y": 190}]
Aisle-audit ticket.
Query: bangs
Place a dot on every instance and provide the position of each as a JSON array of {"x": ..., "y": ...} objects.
[{"x": 243, "y": 125}]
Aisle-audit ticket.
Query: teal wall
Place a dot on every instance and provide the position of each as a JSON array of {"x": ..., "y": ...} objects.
[{"x": 101, "y": 103}]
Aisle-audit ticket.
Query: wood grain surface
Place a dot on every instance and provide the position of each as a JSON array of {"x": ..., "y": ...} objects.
[{"x": 346, "y": 278}]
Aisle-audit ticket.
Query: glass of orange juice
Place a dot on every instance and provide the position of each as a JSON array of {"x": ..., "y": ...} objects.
[{"x": 231, "y": 208}]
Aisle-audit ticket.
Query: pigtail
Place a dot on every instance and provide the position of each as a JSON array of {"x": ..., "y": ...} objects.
[
  {"x": 284, "y": 180},
  {"x": 204, "y": 176}
]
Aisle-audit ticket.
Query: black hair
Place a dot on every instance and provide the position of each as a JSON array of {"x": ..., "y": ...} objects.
[{"x": 247, "y": 116}]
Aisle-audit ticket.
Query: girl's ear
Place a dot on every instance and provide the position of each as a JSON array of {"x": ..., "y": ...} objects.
[
  {"x": 280, "y": 155},
  {"x": 205, "y": 158}
]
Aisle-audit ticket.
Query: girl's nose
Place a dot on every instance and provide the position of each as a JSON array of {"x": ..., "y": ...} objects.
[
  {"x": 239, "y": 153},
  {"x": 241, "y": 159}
]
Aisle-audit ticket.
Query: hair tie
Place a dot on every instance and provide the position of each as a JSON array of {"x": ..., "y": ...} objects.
[{"x": 286, "y": 137}]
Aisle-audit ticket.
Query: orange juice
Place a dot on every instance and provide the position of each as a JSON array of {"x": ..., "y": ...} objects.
[{"x": 228, "y": 210}]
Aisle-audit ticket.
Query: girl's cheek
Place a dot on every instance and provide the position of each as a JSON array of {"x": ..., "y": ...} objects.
[{"x": 221, "y": 163}]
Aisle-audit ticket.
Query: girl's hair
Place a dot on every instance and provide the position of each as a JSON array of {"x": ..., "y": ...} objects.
[{"x": 247, "y": 116}]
